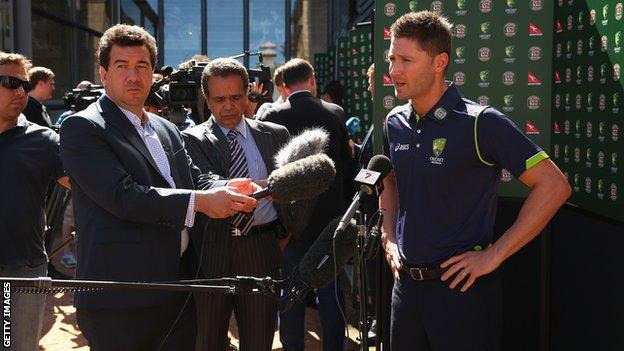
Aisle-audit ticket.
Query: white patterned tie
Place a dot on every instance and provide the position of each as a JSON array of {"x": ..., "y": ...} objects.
[{"x": 241, "y": 223}]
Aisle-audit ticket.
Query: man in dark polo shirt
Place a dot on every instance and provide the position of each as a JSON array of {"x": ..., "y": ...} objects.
[
  {"x": 30, "y": 160},
  {"x": 440, "y": 201}
]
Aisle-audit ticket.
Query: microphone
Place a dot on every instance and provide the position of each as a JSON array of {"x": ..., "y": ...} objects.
[
  {"x": 369, "y": 180},
  {"x": 316, "y": 268},
  {"x": 309, "y": 142},
  {"x": 299, "y": 180}
]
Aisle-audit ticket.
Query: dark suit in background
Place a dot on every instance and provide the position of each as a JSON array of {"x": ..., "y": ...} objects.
[
  {"x": 128, "y": 220},
  {"x": 223, "y": 255},
  {"x": 303, "y": 111}
]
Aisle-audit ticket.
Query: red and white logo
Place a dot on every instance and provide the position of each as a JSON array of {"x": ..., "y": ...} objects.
[
  {"x": 556, "y": 128},
  {"x": 535, "y": 53},
  {"x": 510, "y": 29},
  {"x": 558, "y": 27},
  {"x": 531, "y": 129},
  {"x": 533, "y": 102},
  {"x": 387, "y": 33},
  {"x": 557, "y": 77},
  {"x": 505, "y": 175},
  {"x": 388, "y": 102},
  {"x": 485, "y": 6},
  {"x": 459, "y": 78},
  {"x": 566, "y": 127},
  {"x": 390, "y": 9},
  {"x": 509, "y": 78},
  {"x": 460, "y": 31},
  {"x": 578, "y": 100},
  {"x": 570, "y": 22},
  {"x": 484, "y": 54},
  {"x": 533, "y": 80},
  {"x": 387, "y": 81},
  {"x": 590, "y": 73},
  {"x": 568, "y": 75},
  {"x": 436, "y": 6},
  {"x": 534, "y": 30}
]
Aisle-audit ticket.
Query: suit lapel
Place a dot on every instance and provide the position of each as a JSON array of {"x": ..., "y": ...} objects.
[
  {"x": 264, "y": 142},
  {"x": 217, "y": 143},
  {"x": 113, "y": 115}
]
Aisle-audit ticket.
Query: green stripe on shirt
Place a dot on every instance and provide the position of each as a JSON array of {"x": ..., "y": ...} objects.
[{"x": 535, "y": 159}]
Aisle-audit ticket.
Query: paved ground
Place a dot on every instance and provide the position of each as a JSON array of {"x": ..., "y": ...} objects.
[{"x": 60, "y": 331}]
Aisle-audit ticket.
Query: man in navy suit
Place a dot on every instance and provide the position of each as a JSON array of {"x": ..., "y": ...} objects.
[{"x": 129, "y": 173}]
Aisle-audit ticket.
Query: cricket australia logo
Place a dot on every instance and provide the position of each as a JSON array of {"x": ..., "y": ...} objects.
[{"x": 438, "y": 148}]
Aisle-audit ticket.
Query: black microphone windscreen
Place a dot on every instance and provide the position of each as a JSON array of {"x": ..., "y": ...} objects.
[
  {"x": 302, "y": 179},
  {"x": 309, "y": 142},
  {"x": 317, "y": 265},
  {"x": 381, "y": 164}
]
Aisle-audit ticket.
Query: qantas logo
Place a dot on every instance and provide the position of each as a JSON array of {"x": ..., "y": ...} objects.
[
  {"x": 557, "y": 77},
  {"x": 531, "y": 129},
  {"x": 533, "y": 80},
  {"x": 387, "y": 33},
  {"x": 387, "y": 81},
  {"x": 534, "y": 30}
]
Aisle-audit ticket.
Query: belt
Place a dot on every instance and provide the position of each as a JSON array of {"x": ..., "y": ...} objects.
[
  {"x": 423, "y": 273},
  {"x": 274, "y": 227}
]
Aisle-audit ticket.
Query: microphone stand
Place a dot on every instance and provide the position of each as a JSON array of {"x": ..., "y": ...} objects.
[{"x": 361, "y": 247}]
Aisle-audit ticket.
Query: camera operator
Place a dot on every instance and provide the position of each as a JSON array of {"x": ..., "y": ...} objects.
[{"x": 84, "y": 85}]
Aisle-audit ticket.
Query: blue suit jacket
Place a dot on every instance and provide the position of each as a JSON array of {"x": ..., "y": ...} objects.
[{"x": 128, "y": 219}]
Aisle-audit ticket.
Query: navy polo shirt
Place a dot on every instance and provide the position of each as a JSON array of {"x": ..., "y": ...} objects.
[
  {"x": 447, "y": 166},
  {"x": 29, "y": 162}
]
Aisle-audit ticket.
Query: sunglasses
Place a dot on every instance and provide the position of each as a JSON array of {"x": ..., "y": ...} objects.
[{"x": 11, "y": 82}]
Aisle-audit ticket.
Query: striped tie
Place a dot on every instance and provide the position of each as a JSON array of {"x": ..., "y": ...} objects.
[{"x": 241, "y": 223}]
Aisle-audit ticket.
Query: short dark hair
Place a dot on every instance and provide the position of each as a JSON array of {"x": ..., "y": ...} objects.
[
  {"x": 296, "y": 71},
  {"x": 39, "y": 74},
  {"x": 335, "y": 90},
  {"x": 125, "y": 35},
  {"x": 431, "y": 31},
  {"x": 223, "y": 67}
]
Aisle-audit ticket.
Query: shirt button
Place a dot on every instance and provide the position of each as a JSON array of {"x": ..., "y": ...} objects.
[
  {"x": 418, "y": 131},
  {"x": 417, "y": 145}
]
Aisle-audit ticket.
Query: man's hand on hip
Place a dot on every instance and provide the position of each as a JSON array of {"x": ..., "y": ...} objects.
[{"x": 471, "y": 264}]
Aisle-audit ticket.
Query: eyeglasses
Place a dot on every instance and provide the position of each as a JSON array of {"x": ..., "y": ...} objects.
[{"x": 11, "y": 82}]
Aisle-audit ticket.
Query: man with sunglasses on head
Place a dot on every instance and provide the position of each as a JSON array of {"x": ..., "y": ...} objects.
[{"x": 30, "y": 160}]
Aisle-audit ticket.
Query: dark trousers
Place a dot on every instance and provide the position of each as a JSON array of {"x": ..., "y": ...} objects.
[
  {"x": 292, "y": 321},
  {"x": 136, "y": 329},
  {"x": 256, "y": 255},
  {"x": 429, "y": 316}
]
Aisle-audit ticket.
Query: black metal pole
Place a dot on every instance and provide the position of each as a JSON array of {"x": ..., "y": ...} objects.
[
  {"x": 361, "y": 245},
  {"x": 246, "y": 31}
]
